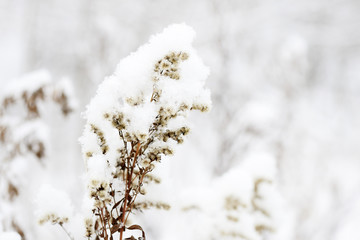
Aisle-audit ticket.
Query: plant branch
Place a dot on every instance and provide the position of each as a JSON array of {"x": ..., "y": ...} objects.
[{"x": 66, "y": 231}]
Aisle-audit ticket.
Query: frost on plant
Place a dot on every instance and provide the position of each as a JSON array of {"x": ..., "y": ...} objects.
[{"x": 137, "y": 117}]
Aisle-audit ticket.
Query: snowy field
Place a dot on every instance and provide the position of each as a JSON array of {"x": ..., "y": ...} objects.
[{"x": 208, "y": 119}]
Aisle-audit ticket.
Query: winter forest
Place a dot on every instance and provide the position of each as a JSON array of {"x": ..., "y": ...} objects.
[{"x": 179, "y": 119}]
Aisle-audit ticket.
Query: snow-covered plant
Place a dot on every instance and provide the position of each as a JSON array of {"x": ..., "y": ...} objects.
[
  {"x": 244, "y": 203},
  {"x": 23, "y": 136},
  {"x": 137, "y": 118},
  {"x": 249, "y": 212},
  {"x": 54, "y": 206},
  {"x": 20, "y": 112}
]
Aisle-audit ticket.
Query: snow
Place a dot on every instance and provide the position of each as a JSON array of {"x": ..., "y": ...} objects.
[
  {"x": 10, "y": 236},
  {"x": 285, "y": 90},
  {"x": 53, "y": 205},
  {"x": 28, "y": 82},
  {"x": 133, "y": 79}
]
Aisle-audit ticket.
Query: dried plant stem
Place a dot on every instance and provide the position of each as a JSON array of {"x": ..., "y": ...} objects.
[
  {"x": 127, "y": 206},
  {"x": 66, "y": 231},
  {"x": 104, "y": 224},
  {"x": 137, "y": 156}
]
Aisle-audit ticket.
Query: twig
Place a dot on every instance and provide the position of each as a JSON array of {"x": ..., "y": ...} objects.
[{"x": 66, "y": 231}]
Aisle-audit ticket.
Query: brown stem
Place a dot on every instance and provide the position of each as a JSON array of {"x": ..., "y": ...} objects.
[
  {"x": 122, "y": 225},
  {"x": 137, "y": 192},
  {"x": 136, "y": 154},
  {"x": 104, "y": 223},
  {"x": 66, "y": 231},
  {"x": 127, "y": 191},
  {"x": 116, "y": 209},
  {"x": 101, "y": 220}
]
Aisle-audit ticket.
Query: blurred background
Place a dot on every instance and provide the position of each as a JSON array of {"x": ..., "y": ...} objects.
[{"x": 285, "y": 82}]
